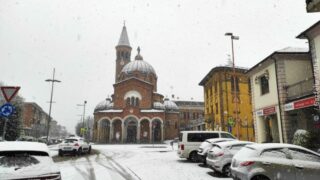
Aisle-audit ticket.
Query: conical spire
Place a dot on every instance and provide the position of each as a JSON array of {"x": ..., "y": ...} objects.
[{"x": 124, "y": 40}]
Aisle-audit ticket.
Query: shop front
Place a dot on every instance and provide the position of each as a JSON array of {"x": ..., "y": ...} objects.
[
  {"x": 303, "y": 114},
  {"x": 267, "y": 125}
]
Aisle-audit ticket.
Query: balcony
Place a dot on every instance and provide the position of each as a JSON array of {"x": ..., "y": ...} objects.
[
  {"x": 300, "y": 89},
  {"x": 313, "y": 5}
]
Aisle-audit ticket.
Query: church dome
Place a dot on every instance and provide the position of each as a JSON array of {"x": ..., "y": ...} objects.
[
  {"x": 170, "y": 105},
  {"x": 138, "y": 65},
  {"x": 104, "y": 105}
]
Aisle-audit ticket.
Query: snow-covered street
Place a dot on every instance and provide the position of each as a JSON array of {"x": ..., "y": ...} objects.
[{"x": 134, "y": 162}]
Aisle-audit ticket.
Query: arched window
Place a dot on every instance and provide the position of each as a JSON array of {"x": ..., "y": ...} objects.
[
  {"x": 122, "y": 54},
  {"x": 132, "y": 101},
  {"x": 137, "y": 102},
  {"x": 128, "y": 102}
]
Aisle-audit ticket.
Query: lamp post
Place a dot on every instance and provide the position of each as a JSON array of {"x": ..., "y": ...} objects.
[
  {"x": 234, "y": 81},
  {"x": 83, "y": 116},
  {"x": 52, "y": 85}
]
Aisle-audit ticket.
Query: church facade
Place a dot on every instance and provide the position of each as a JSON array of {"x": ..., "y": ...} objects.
[{"x": 136, "y": 112}]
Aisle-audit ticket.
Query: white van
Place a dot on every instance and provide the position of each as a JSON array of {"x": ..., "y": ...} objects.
[{"x": 189, "y": 142}]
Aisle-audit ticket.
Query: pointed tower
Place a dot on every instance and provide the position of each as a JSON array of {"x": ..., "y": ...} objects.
[{"x": 123, "y": 50}]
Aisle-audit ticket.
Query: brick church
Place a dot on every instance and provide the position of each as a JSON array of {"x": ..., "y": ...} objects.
[{"x": 136, "y": 112}]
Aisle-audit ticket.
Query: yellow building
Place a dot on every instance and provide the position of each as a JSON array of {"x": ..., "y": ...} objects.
[{"x": 221, "y": 102}]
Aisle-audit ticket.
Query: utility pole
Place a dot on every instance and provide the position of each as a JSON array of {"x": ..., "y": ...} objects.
[
  {"x": 52, "y": 85},
  {"x": 234, "y": 84},
  {"x": 83, "y": 116}
]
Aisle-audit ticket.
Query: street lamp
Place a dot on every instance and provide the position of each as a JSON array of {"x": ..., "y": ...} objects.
[
  {"x": 83, "y": 116},
  {"x": 52, "y": 85},
  {"x": 234, "y": 81}
]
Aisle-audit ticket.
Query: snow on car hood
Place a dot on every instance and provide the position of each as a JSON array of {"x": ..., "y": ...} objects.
[{"x": 41, "y": 165}]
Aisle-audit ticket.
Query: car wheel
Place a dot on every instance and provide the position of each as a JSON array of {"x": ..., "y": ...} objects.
[
  {"x": 60, "y": 152},
  {"x": 80, "y": 151},
  {"x": 260, "y": 177},
  {"x": 193, "y": 157},
  {"x": 226, "y": 170}
]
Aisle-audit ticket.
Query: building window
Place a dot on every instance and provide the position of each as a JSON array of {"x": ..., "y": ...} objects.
[
  {"x": 128, "y": 102},
  {"x": 137, "y": 102},
  {"x": 215, "y": 86},
  {"x": 264, "y": 85},
  {"x": 217, "y": 108},
  {"x": 237, "y": 83}
]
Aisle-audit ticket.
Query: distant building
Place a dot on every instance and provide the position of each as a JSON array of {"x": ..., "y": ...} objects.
[
  {"x": 191, "y": 115},
  {"x": 224, "y": 109},
  {"x": 34, "y": 120},
  {"x": 136, "y": 112}
]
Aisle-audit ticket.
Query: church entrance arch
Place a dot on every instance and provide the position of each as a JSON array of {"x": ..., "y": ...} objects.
[
  {"x": 117, "y": 131},
  {"x": 104, "y": 129},
  {"x": 131, "y": 125},
  {"x": 144, "y": 131},
  {"x": 156, "y": 128}
]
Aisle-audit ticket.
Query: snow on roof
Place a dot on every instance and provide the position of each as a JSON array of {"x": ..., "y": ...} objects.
[
  {"x": 151, "y": 110},
  {"x": 112, "y": 110},
  {"x": 23, "y": 146},
  {"x": 293, "y": 50},
  {"x": 124, "y": 39},
  {"x": 138, "y": 65}
]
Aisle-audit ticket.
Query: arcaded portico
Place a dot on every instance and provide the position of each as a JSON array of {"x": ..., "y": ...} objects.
[{"x": 131, "y": 130}]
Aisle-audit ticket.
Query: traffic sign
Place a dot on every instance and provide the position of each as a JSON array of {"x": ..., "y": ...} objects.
[
  {"x": 9, "y": 92},
  {"x": 6, "y": 110}
]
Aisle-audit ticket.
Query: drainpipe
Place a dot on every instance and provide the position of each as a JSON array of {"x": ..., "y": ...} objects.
[{"x": 279, "y": 102}]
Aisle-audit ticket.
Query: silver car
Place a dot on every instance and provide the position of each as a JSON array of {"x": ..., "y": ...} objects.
[
  {"x": 207, "y": 145},
  {"x": 220, "y": 156},
  {"x": 275, "y": 162}
]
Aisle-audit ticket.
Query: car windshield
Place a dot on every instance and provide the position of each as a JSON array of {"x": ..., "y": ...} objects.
[
  {"x": 20, "y": 158},
  {"x": 70, "y": 140}
]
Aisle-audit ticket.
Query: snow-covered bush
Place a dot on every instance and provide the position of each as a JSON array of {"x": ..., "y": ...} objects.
[{"x": 302, "y": 138}]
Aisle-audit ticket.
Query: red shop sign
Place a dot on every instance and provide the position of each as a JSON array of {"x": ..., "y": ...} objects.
[
  {"x": 270, "y": 110},
  {"x": 304, "y": 103}
]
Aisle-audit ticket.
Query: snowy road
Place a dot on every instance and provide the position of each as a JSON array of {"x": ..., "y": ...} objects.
[{"x": 134, "y": 162}]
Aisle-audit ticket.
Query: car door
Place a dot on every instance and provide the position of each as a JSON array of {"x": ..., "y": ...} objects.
[
  {"x": 276, "y": 164},
  {"x": 306, "y": 164}
]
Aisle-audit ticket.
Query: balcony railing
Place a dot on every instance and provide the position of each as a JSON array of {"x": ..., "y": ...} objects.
[{"x": 300, "y": 89}]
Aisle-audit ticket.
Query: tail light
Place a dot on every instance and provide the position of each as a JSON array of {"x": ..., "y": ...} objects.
[
  {"x": 246, "y": 163},
  {"x": 219, "y": 154},
  {"x": 76, "y": 144},
  {"x": 181, "y": 146}
]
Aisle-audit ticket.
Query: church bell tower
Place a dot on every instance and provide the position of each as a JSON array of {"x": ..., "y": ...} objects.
[{"x": 123, "y": 52}]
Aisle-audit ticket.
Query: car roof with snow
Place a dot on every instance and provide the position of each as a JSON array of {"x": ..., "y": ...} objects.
[
  {"x": 216, "y": 140},
  {"x": 23, "y": 146},
  {"x": 204, "y": 132},
  {"x": 230, "y": 143},
  {"x": 261, "y": 147}
]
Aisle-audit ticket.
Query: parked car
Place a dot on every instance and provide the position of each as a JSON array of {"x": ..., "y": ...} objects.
[
  {"x": 220, "y": 156},
  {"x": 275, "y": 162},
  {"x": 207, "y": 145},
  {"x": 26, "y": 160},
  {"x": 189, "y": 142},
  {"x": 75, "y": 146}
]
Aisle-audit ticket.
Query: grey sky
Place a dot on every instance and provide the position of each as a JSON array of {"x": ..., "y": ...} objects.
[{"x": 181, "y": 39}]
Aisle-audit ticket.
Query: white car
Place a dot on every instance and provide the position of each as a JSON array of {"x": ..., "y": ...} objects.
[
  {"x": 27, "y": 160},
  {"x": 74, "y": 145},
  {"x": 220, "y": 156},
  {"x": 189, "y": 142},
  {"x": 207, "y": 145}
]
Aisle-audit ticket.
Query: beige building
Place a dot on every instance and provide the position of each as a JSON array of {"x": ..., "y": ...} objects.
[{"x": 284, "y": 77}]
